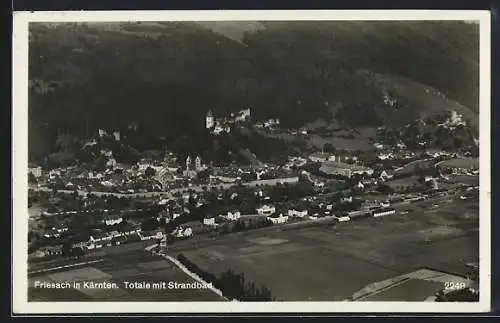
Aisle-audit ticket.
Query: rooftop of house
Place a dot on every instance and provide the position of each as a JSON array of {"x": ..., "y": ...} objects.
[
  {"x": 112, "y": 217},
  {"x": 99, "y": 235},
  {"x": 51, "y": 247},
  {"x": 298, "y": 208},
  {"x": 277, "y": 215},
  {"x": 320, "y": 154}
]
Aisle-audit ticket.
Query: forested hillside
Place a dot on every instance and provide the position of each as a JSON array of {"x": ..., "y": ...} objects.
[{"x": 164, "y": 77}]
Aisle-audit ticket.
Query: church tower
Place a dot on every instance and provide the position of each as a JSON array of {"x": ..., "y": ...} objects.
[
  {"x": 210, "y": 120},
  {"x": 197, "y": 163}
]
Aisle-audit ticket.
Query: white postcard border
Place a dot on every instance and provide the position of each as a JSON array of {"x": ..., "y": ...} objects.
[{"x": 20, "y": 161}]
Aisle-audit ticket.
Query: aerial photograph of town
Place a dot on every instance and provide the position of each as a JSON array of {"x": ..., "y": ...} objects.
[{"x": 253, "y": 161}]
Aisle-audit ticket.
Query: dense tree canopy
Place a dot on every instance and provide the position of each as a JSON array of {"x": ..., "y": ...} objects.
[{"x": 160, "y": 81}]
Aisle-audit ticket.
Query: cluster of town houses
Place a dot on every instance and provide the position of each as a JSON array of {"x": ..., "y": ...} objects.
[
  {"x": 220, "y": 125},
  {"x": 217, "y": 126},
  {"x": 346, "y": 166}
]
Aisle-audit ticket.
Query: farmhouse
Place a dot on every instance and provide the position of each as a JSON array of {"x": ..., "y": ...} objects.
[
  {"x": 112, "y": 220},
  {"x": 111, "y": 162},
  {"x": 320, "y": 157},
  {"x": 297, "y": 213},
  {"x": 53, "y": 233},
  {"x": 319, "y": 184},
  {"x": 232, "y": 216},
  {"x": 384, "y": 175},
  {"x": 278, "y": 219},
  {"x": 148, "y": 235},
  {"x": 114, "y": 234},
  {"x": 54, "y": 173},
  {"x": 49, "y": 251},
  {"x": 383, "y": 212},
  {"x": 385, "y": 204},
  {"x": 270, "y": 123},
  {"x": 296, "y": 161},
  {"x": 60, "y": 228},
  {"x": 346, "y": 199},
  {"x": 343, "y": 169},
  {"x": 385, "y": 156},
  {"x": 96, "y": 245},
  {"x": 243, "y": 115},
  {"x": 209, "y": 221},
  {"x": 185, "y": 197},
  {"x": 181, "y": 232},
  {"x": 128, "y": 229},
  {"x": 143, "y": 164},
  {"x": 99, "y": 237},
  {"x": 106, "y": 152},
  {"x": 36, "y": 171},
  {"x": 314, "y": 216},
  {"x": 436, "y": 153},
  {"x": 80, "y": 244},
  {"x": 266, "y": 210}
]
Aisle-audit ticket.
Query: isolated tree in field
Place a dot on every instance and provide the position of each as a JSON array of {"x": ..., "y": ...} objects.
[{"x": 150, "y": 172}]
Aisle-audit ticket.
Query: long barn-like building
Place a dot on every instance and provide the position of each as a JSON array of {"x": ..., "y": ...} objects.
[{"x": 344, "y": 169}]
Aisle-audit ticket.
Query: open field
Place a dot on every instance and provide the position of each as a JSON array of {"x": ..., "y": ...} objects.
[
  {"x": 411, "y": 166},
  {"x": 120, "y": 267},
  {"x": 403, "y": 182},
  {"x": 332, "y": 263},
  {"x": 461, "y": 163},
  {"x": 464, "y": 179},
  {"x": 359, "y": 142},
  {"x": 419, "y": 96},
  {"x": 419, "y": 285}
]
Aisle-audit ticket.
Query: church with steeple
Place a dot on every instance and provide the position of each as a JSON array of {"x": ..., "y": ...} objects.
[{"x": 193, "y": 171}]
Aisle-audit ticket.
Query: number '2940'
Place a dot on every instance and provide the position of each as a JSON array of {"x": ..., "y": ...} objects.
[{"x": 454, "y": 285}]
